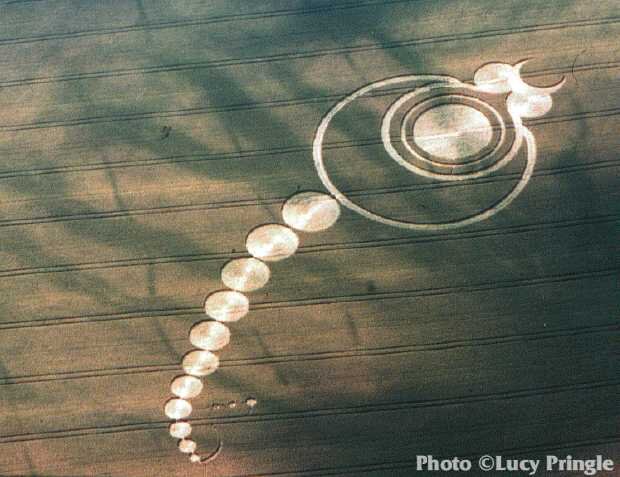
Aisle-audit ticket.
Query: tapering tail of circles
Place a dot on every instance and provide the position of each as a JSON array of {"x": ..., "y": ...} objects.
[{"x": 304, "y": 212}]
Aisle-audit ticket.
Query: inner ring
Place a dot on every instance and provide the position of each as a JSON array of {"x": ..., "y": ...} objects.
[
  {"x": 394, "y": 154},
  {"x": 467, "y": 164}
]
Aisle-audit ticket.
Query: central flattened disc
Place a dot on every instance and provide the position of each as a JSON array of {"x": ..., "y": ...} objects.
[{"x": 452, "y": 131}]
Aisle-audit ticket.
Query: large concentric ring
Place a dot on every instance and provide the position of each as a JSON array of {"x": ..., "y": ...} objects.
[{"x": 436, "y": 83}]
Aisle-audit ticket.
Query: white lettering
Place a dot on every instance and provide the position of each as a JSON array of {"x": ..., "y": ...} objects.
[
  {"x": 588, "y": 467},
  {"x": 431, "y": 464}
]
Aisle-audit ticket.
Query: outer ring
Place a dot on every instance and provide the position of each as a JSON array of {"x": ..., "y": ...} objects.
[{"x": 317, "y": 152}]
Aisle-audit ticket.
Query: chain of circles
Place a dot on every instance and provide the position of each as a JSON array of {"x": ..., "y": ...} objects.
[{"x": 305, "y": 212}]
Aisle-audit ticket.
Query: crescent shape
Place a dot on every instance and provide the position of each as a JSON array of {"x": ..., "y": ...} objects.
[
  {"x": 517, "y": 66},
  {"x": 216, "y": 452},
  {"x": 539, "y": 89},
  {"x": 549, "y": 89}
]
